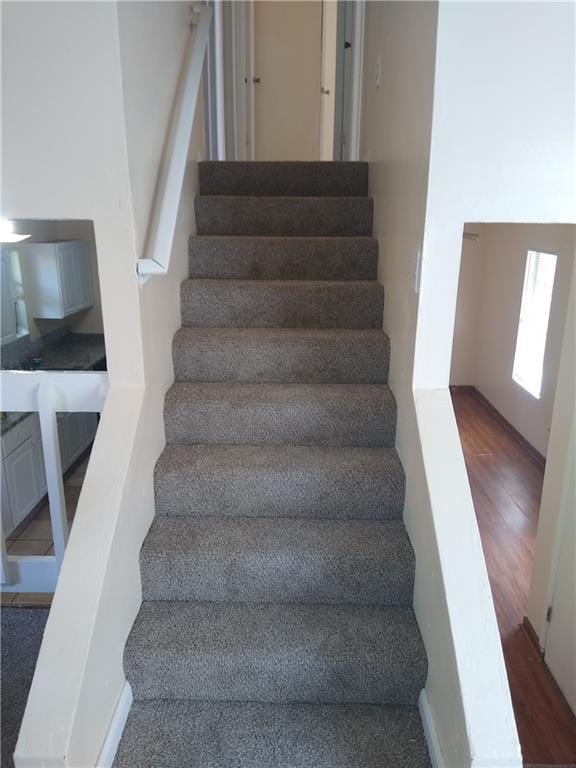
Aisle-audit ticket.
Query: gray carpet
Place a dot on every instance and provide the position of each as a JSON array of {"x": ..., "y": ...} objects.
[
  {"x": 330, "y": 179},
  {"x": 283, "y": 258},
  {"x": 300, "y": 216},
  {"x": 277, "y": 628},
  {"x": 21, "y": 636},
  {"x": 283, "y": 303}
]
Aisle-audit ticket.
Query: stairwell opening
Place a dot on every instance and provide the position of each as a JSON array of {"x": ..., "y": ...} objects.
[{"x": 513, "y": 317}]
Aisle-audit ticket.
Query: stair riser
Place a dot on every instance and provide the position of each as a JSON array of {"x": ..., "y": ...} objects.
[
  {"x": 296, "y": 422},
  {"x": 288, "y": 178},
  {"x": 217, "y": 304},
  {"x": 337, "y": 493},
  {"x": 356, "y": 361},
  {"x": 248, "y": 735},
  {"x": 286, "y": 579},
  {"x": 301, "y": 216},
  {"x": 275, "y": 677},
  {"x": 290, "y": 258}
]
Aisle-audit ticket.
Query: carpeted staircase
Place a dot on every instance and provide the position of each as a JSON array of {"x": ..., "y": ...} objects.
[{"x": 277, "y": 628}]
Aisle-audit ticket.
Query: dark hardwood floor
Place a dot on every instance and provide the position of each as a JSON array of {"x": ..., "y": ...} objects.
[{"x": 506, "y": 483}]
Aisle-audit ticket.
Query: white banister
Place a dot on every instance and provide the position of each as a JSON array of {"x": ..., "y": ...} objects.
[
  {"x": 53, "y": 468},
  {"x": 47, "y": 393},
  {"x": 169, "y": 188}
]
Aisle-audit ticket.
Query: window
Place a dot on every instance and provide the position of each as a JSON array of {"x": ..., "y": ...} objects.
[
  {"x": 14, "y": 320},
  {"x": 533, "y": 325}
]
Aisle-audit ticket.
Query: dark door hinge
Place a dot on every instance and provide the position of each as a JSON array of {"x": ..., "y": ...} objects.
[{"x": 549, "y": 613}]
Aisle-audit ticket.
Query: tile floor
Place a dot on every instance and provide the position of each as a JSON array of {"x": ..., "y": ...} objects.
[{"x": 36, "y": 537}]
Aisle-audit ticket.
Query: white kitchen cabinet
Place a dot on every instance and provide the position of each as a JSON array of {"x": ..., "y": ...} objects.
[
  {"x": 22, "y": 480},
  {"x": 6, "y": 506},
  {"x": 58, "y": 278},
  {"x": 23, "y": 473}
]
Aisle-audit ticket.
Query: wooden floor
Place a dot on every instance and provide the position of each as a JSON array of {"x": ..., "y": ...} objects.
[{"x": 506, "y": 484}]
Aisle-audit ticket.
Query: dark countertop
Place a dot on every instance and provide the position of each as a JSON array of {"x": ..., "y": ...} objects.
[{"x": 74, "y": 352}]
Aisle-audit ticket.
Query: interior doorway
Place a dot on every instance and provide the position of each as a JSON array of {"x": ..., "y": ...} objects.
[
  {"x": 291, "y": 78},
  {"x": 510, "y": 380}
]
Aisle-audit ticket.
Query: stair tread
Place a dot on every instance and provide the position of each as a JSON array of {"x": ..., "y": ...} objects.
[
  {"x": 250, "y": 735},
  {"x": 281, "y": 355},
  {"x": 278, "y": 559},
  {"x": 283, "y": 177},
  {"x": 261, "y": 257},
  {"x": 276, "y": 652},
  {"x": 286, "y": 215},
  {"x": 282, "y": 303},
  {"x": 303, "y": 414},
  {"x": 263, "y": 285},
  {"x": 280, "y": 480}
]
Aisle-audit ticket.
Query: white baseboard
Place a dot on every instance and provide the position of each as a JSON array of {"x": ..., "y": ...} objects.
[
  {"x": 430, "y": 733},
  {"x": 108, "y": 752}
]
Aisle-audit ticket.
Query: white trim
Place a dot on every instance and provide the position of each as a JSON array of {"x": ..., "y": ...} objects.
[
  {"x": 357, "y": 79},
  {"x": 116, "y": 728},
  {"x": 251, "y": 46},
  {"x": 430, "y": 732},
  {"x": 219, "y": 80}
]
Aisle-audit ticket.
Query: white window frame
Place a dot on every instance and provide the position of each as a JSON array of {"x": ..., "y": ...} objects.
[{"x": 534, "y": 321}]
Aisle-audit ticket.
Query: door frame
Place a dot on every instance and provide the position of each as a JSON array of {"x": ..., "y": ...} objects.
[
  {"x": 214, "y": 108},
  {"x": 353, "y": 99},
  {"x": 237, "y": 44}
]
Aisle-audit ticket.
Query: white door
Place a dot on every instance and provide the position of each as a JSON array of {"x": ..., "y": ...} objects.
[
  {"x": 22, "y": 480},
  {"x": 85, "y": 276},
  {"x": 7, "y": 524},
  {"x": 287, "y": 64},
  {"x": 560, "y": 644},
  {"x": 328, "y": 90}
]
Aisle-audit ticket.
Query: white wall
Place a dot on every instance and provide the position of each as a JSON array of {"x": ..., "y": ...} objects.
[
  {"x": 489, "y": 298},
  {"x": 553, "y": 572},
  {"x": 49, "y": 173},
  {"x": 149, "y": 80},
  {"x": 464, "y": 349},
  {"x": 95, "y": 156},
  {"x": 502, "y": 149},
  {"x": 287, "y": 60}
]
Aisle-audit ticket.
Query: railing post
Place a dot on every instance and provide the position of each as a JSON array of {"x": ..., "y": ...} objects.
[
  {"x": 53, "y": 468},
  {"x": 5, "y": 574}
]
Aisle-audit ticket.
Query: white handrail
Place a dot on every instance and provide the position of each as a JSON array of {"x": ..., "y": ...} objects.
[{"x": 169, "y": 190}]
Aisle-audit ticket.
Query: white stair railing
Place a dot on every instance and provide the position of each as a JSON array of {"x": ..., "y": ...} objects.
[
  {"x": 169, "y": 188},
  {"x": 47, "y": 393}
]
